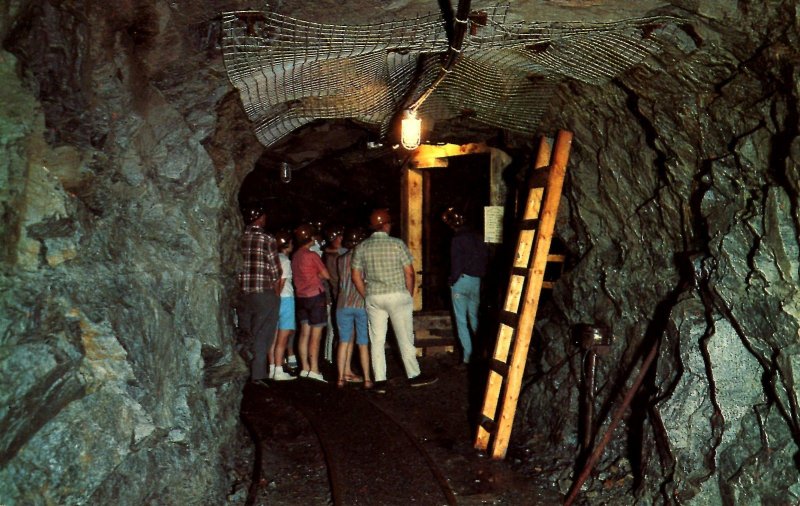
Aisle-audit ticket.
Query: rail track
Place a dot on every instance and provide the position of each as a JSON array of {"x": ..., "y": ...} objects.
[{"x": 371, "y": 457}]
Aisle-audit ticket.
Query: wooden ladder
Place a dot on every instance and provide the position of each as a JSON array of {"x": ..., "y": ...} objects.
[{"x": 522, "y": 299}]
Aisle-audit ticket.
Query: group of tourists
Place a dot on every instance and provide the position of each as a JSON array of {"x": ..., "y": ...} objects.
[{"x": 360, "y": 281}]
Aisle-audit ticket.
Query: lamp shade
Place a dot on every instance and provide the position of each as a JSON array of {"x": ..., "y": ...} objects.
[{"x": 410, "y": 131}]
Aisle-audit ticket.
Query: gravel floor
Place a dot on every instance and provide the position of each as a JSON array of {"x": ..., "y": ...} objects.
[{"x": 438, "y": 416}]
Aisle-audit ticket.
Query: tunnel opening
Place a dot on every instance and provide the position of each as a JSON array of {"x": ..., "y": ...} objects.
[{"x": 464, "y": 185}]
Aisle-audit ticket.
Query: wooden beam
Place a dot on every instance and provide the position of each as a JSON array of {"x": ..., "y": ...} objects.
[
  {"x": 428, "y": 156},
  {"x": 412, "y": 225}
]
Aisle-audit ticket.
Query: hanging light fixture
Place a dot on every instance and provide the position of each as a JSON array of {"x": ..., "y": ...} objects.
[
  {"x": 286, "y": 172},
  {"x": 410, "y": 130},
  {"x": 411, "y": 125}
]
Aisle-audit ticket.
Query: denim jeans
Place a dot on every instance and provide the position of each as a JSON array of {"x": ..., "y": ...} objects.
[
  {"x": 349, "y": 318},
  {"x": 466, "y": 295}
]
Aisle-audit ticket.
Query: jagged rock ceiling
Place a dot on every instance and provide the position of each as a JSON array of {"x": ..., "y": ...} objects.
[{"x": 124, "y": 150}]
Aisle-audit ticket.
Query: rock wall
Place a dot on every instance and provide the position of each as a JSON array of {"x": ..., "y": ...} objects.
[
  {"x": 123, "y": 148},
  {"x": 119, "y": 379},
  {"x": 682, "y": 220}
]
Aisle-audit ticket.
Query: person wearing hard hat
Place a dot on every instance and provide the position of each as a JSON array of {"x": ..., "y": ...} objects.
[
  {"x": 286, "y": 318},
  {"x": 351, "y": 316},
  {"x": 383, "y": 274},
  {"x": 309, "y": 274},
  {"x": 259, "y": 302},
  {"x": 468, "y": 258}
]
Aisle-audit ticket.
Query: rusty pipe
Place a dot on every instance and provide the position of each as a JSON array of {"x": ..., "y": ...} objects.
[
  {"x": 589, "y": 375},
  {"x": 587, "y": 469}
]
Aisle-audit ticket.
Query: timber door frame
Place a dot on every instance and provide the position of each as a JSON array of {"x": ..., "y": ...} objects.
[{"x": 413, "y": 202}]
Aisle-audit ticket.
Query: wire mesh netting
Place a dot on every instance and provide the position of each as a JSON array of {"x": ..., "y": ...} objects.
[{"x": 290, "y": 72}]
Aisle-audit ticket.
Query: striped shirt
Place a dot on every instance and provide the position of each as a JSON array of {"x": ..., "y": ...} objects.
[
  {"x": 348, "y": 295},
  {"x": 262, "y": 268},
  {"x": 381, "y": 260}
]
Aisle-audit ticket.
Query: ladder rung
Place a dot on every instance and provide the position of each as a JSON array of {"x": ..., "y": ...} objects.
[
  {"x": 556, "y": 258},
  {"x": 508, "y": 318},
  {"x": 488, "y": 424},
  {"x": 548, "y": 284},
  {"x": 539, "y": 178},
  {"x": 499, "y": 367},
  {"x": 519, "y": 271},
  {"x": 531, "y": 224}
]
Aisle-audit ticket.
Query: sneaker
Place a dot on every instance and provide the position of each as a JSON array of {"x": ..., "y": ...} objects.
[
  {"x": 379, "y": 387},
  {"x": 422, "y": 379},
  {"x": 281, "y": 375},
  {"x": 304, "y": 373},
  {"x": 316, "y": 376}
]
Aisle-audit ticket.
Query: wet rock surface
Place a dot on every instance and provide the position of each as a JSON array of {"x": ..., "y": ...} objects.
[{"x": 124, "y": 149}]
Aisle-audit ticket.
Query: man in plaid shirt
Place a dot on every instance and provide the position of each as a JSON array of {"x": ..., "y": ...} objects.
[
  {"x": 259, "y": 300},
  {"x": 384, "y": 275}
]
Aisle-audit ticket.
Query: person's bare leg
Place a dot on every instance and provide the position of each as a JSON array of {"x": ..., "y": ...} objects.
[
  {"x": 312, "y": 348},
  {"x": 280, "y": 347},
  {"x": 348, "y": 372},
  {"x": 341, "y": 356},
  {"x": 271, "y": 352},
  {"x": 363, "y": 352},
  {"x": 291, "y": 359},
  {"x": 302, "y": 346}
]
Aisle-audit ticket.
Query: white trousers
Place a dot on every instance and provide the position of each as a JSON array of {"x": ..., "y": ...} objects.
[{"x": 399, "y": 308}]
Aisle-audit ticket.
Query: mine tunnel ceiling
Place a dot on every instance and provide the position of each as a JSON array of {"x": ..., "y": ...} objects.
[
  {"x": 326, "y": 93},
  {"x": 290, "y": 72}
]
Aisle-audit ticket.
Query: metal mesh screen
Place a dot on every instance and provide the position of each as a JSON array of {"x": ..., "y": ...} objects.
[{"x": 290, "y": 72}]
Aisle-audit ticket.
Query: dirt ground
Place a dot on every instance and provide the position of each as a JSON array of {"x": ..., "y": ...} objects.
[{"x": 293, "y": 468}]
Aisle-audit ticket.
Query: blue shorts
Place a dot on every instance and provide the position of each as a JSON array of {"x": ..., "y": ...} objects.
[
  {"x": 286, "y": 314},
  {"x": 349, "y": 317},
  {"x": 312, "y": 310}
]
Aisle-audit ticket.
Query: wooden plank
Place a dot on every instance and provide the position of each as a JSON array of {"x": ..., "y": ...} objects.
[
  {"x": 428, "y": 156},
  {"x": 412, "y": 226},
  {"x": 494, "y": 384},
  {"x": 533, "y": 290},
  {"x": 514, "y": 294},
  {"x": 523, "y": 251},
  {"x": 556, "y": 258},
  {"x": 534, "y": 203},
  {"x": 543, "y": 155}
]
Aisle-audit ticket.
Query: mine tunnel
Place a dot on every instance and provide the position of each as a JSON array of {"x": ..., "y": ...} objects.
[{"x": 659, "y": 367}]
